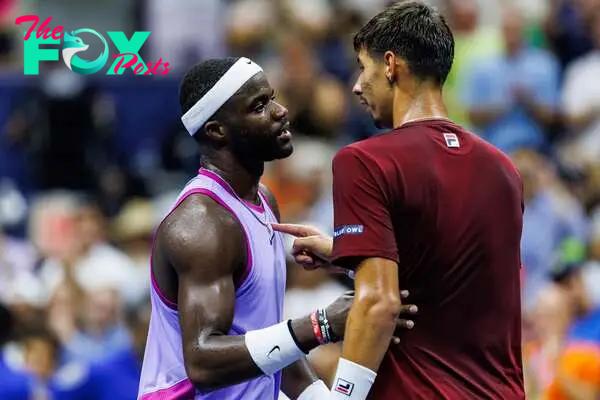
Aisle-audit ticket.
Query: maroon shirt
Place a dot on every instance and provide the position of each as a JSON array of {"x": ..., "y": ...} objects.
[{"x": 447, "y": 207}]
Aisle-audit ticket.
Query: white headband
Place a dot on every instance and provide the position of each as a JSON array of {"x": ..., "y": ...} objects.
[{"x": 231, "y": 82}]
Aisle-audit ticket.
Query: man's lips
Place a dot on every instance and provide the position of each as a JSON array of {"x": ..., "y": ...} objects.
[{"x": 284, "y": 132}]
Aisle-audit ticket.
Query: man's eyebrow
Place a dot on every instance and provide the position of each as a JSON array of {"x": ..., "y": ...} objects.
[{"x": 261, "y": 95}]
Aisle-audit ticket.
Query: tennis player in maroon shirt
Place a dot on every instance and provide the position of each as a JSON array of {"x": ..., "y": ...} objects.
[{"x": 432, "y": 208}]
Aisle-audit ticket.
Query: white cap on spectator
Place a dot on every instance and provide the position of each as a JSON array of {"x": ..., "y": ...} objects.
[
  {"x": 27, "y": 288},
  {"x": 107, "y": 268}
]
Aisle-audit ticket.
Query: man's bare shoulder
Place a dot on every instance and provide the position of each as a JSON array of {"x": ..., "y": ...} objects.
[{"x": 199, "y": 227}]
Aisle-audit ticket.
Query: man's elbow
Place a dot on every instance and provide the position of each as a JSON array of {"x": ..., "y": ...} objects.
[
  {"x": 201, "y": 373},
  {"x": 201, "y": 377}
]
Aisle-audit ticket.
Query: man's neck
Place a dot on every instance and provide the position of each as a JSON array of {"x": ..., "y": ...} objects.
[
  {"x": 243, "y": 179},
  {"x": 426, "y": 102}
]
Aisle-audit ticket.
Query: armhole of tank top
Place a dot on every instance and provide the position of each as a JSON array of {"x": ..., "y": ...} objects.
[{"x": 240, "y": 278}]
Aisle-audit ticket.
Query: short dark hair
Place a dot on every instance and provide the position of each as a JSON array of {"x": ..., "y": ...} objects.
[
  {"x": 414, "y": 31},
  {"x": 200, "y": 79}
]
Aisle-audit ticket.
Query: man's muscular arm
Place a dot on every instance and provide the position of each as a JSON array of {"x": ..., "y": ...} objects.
[
  {"x": 205, "y": 245},
  {"x": 365, "y": 241}
]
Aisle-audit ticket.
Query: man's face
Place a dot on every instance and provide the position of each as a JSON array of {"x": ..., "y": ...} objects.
[
  {"x": 374, "y": 90},
  {"x": 512, "y": 30},
  {"x": 256, "y": 125}
]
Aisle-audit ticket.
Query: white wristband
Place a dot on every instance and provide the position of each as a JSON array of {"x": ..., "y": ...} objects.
[
  {"x": 352, "y": 381},
  {"x": 272, "y": 348},
  {"x": 318, "y": 390}
]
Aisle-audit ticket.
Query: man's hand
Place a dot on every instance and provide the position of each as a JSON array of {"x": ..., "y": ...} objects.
[
  {"x": 312, "y": 248},
  {"x": 337, "y": 313}
]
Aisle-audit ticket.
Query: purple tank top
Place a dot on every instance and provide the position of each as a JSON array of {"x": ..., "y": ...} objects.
[{"x": 258, "y": 304}]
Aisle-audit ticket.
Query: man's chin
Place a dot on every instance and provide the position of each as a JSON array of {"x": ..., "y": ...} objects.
[{"x": 283, "y": 151}]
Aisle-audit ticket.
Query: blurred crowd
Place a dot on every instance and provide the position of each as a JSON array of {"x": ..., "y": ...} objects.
[{"x": 88, "y": 167}]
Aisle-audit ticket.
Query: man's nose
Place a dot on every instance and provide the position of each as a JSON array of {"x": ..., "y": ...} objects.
[
  {"x": 280, "y": 111},
  {"x": 357, "y": 89}
]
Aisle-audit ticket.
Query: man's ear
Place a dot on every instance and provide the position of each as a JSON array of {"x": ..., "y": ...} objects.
[
  {"x": 389, "y": 60},
  {"x": 395, "y": 67},
  {"x": 214, "y": 131}
]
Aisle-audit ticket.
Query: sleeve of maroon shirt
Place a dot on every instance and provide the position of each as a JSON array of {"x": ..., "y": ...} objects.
[{"x": 362, "y": 222}]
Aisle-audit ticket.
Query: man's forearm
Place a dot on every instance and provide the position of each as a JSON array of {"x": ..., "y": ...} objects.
[
  {"x": 224, "y": 360},
  {"x": 369, "y": 330}
]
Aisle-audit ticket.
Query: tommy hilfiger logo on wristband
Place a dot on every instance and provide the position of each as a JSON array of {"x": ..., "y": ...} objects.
[{"x": 344, "y": 387}]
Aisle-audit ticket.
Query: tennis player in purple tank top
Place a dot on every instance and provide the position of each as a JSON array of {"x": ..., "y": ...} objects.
[{"x": 218, "y": 267}]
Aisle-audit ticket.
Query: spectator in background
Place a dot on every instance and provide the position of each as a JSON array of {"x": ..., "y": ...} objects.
[
  {"x": 119, "y": 363},
  {"x": 316, "y": 101},
  {"x": 198, "y": 33},
  {"x": 303, "y": 181},
  {"x": 31, "y": 368},
  {"x": 69, "y": 230},
  {"x": 101, "y": 334},
  {"x": 13, "y": 384},
  {"x": 473, "y": 42},
  {"x": 581, "y": 102},
  {"x": 594, "y": 251},
  {"x": 552, "y": 222},
  {"x": 567, "y": 26},
  {"x": 17, "y": 257},
  {"x": 513, "y": 98},
  {"x": 578, "y": 368},
  {"x": 27, "y": 301},
  {"x": 247, "y": 26},
  {"x": 543, "y": 340},
  {"x": 132, "y": 231}
]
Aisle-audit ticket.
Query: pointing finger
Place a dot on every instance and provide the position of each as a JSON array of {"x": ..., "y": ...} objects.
[{"x": 295, "y": 229}]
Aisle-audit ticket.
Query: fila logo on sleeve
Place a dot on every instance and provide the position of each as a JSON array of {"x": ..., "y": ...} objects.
[
  {"x": 451, "y": 140},
  {"x": 344, "y": 387}
]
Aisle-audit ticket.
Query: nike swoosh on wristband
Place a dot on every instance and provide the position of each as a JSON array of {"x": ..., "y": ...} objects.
[{"x": 276, "y": 348}]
